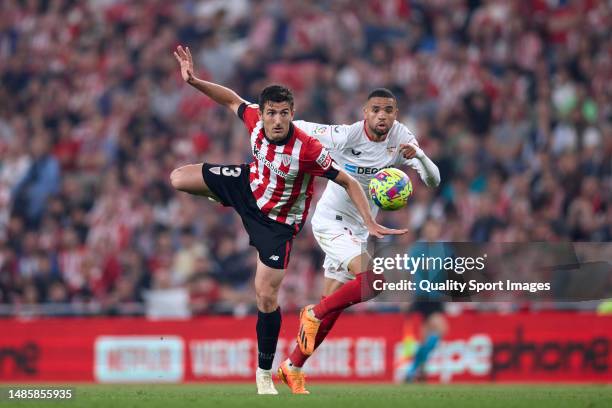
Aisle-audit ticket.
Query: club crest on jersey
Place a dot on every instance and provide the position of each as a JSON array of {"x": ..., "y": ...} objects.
[
  {"x": 320, "y": 130},
  {"x": 286, "y": 159},
  {"x": 324, "y": 160},
  {"x": 391, "y": 150}
]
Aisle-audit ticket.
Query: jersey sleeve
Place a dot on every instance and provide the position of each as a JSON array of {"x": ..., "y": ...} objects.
[
  {"x": 428, "y": 171},
  {"x": 249, "y": 114},
  {"x": 406, "y": 137},
  {"x": 333, "y": 137},
  {"x": 317, "y": 161}
]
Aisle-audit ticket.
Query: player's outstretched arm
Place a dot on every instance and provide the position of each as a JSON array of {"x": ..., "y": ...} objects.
[
  {"x": 220, "y": 94},
  {"x": 427, "y": 169},
  {"x": 355, "y": 192}
]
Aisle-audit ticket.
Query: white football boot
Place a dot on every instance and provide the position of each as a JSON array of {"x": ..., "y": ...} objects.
[{"x": 265, "y": 385}]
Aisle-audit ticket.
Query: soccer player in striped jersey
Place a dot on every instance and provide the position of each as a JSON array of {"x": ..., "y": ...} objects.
[
  {"x": 363, "y": 148},
  {"x": 271, "y": 194}
]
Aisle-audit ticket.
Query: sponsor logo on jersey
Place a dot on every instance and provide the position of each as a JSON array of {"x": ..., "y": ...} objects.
[
  {"x": 324, "y": 160},
  {"x": 268, "y": 163},
  {"x": 351, "y": 168}
]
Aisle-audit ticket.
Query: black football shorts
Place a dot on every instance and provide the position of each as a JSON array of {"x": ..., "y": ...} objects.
[{"x": 272, "y": 239}]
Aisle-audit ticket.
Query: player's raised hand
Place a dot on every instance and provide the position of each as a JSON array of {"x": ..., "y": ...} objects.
[
  {"x": 410, "y": 150},
  {"x": 380, "y": 231},
  {"x": 183, "y": 56}
]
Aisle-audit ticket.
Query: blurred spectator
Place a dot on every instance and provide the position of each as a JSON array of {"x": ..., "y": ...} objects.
[{"x": 41, "y": 180}]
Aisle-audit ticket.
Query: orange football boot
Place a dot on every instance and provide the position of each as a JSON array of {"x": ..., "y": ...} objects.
[
  {"x": 294, "y": 379},
  {"x": 309, "y": 326}
]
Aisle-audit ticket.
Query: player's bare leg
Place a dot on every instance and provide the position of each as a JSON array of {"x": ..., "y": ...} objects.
[
  {"x": 189, "y": 180},
  {"x": 267, "y": 284}
]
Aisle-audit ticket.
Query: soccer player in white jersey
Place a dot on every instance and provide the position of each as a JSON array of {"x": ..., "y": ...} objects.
[
  {"x": 361, "y": 149},
  {"x": 271, "y": 194}
]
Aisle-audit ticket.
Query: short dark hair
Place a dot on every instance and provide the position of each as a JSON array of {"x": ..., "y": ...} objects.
[
  {"x": 275, "y": 93},
  {"x": 381, "y": 93}
]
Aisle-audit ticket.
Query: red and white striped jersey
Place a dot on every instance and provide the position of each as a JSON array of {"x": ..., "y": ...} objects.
[{"x": 282, "y": 173}]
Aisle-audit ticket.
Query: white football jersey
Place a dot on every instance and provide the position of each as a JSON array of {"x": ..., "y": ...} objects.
[{"x": 361, "y": 157}]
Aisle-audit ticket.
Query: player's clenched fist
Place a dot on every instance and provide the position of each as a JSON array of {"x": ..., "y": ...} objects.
[
  {"x": 410, "y": 151},
  {"x": 183, "y": 56}
]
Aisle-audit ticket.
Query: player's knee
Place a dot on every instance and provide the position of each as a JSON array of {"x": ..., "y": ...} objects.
[
  {"x": 175, "y": 178},
  {"x": 179, "y": 179},
  {"x": 267, "y": 304},
  {"x": 267, "y": 299}
]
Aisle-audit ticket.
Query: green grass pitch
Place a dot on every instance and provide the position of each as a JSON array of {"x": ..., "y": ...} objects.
[{"x": 337, "y": 395}]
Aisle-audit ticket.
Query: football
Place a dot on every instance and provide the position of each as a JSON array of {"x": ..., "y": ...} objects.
[{"x": 390, "y": 189}]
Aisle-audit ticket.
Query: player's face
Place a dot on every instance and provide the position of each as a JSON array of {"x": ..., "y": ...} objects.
[
  {"x": 276, "y": 117},
  {"x": 379, "y": 114}
]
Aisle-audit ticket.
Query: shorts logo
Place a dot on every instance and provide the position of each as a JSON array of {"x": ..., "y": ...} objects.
[
  {"x": 324, "y": 160},
  {"x": 274, "y": 257},
  {"x": 286, "y": 159},
  {"x": 215, "y": 170}
]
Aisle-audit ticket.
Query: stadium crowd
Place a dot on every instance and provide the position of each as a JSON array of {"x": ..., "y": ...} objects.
[{"x": 511, "y": 99}]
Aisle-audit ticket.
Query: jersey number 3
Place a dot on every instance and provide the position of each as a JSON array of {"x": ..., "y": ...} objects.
[{"x": 231, "y": 172}]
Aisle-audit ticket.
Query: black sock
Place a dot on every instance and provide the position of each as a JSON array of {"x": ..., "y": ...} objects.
[{"x": 268, "y": 328}]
